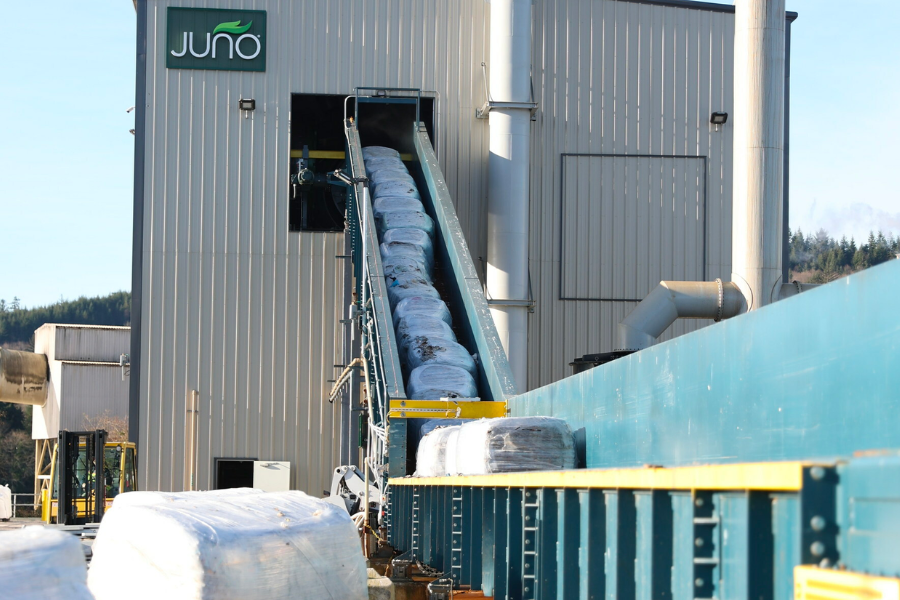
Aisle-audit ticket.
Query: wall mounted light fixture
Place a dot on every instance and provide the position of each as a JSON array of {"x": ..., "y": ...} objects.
[
  {"x": 246, "y": 105},
  {"x": 718, "y": 118}
]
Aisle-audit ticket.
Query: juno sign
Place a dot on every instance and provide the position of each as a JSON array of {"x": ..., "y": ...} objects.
[{"x": 225, "y": 40}]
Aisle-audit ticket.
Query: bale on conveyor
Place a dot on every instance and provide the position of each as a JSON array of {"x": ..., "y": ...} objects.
[
  {"x": 378, "y": 152},
  {"x": 374, "y": 165},
  {"x": 387, "y": 175},
  {"x": 404, "y": 286},
  {"x": 418, "y": 237},
  {"x": 513, "y": 444},
  {"x": 434, "y": 350},
  {"x": 419, "y": 305},
  {"x": 431, "y": 456},
  {"x": 433, "y": 382},
  {"x": 276, "y": 546},
  {"x": 403, "y": 265},
  {"x": 406, "y": 250},
  {"x": 413, "y": 326},
  {"x": 396, "y": 188},
  {"x": 404, "y": 219},
  {"x": 386, "y": 203}
]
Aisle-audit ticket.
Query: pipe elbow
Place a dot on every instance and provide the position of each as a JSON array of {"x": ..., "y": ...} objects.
[{"x": 672, "y": 300}]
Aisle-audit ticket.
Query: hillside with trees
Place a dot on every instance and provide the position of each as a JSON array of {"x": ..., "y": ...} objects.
[
  {"x": 17, "y": 326},
  {"x": 17, "y": 323},
  {"x": 820, "y": 258}
]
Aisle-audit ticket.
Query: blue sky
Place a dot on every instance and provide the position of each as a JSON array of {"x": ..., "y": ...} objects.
[{"x": 66, "y": 167}]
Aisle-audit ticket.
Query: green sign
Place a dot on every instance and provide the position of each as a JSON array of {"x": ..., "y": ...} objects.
[{"x": 225, "y": 40}]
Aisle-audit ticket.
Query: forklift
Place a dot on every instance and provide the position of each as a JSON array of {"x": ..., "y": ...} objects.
[{"x": 87, "y": 474}]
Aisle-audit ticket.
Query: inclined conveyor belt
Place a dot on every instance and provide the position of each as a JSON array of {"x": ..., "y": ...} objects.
[{"x": 435, "y": 332}]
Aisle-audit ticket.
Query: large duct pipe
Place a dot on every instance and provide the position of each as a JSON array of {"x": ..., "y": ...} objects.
[
  {"x": 24, "y": 377},
  {"x": 508, "y": 174},
  {"x": 758, "y": 209},
  {"x": 758, "y": 150},
  {"x": 672, "y": 300}
]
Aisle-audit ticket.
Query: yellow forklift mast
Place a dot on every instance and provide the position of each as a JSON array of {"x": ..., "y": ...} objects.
[{"x": 87, "y": 473}]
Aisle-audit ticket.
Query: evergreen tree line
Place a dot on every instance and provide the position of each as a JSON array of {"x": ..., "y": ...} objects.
[
  {"x": 17, "y": 323},
  {"x": 830, "y": 258}
]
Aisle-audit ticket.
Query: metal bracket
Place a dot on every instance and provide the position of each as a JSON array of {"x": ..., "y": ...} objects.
[
  {"x": 338, "y": 177},
  {"x": 485, "y": 110}
]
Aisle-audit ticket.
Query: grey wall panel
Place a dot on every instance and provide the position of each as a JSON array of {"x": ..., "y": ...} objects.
[
  {"x": 85, "y": 342},
  {"x": 625, "y": 219},
  {"x": 616, "y": 77},
  {"x": 89, "y": 391},
  {"x": 234, "y": 305}
]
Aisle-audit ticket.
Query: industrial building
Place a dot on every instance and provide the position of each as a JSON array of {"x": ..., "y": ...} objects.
[
  {"x": 240, "y": 290},
  {"x": 502, "y": 285}
]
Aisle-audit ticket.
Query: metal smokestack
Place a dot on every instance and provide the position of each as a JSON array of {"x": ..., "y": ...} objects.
[
  {"x": 508, "y": 178},
  {"x": 759, "y": 47}
]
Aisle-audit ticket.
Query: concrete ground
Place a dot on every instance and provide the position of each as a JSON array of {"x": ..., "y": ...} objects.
[{"x": 19, "y": 523}]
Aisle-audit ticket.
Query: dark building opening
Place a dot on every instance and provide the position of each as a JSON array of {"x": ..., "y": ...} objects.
[
  {"x": 318, "y": 143},
  {"x": 233, "y": 473}
]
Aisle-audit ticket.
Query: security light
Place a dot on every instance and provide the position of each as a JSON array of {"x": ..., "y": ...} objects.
[
  {"x": 718, "y": 118},
  {"x": 247, "y": 104}
]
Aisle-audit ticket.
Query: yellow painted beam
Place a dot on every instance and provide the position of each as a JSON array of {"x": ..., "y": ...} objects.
[
  {"x": 335, "y": 154},
  {"x": 813, "y": 583},
  {"x": 775, "y": 476},
  {"x": 339, "y": 154},
  {"x": 445, "y": 409}
]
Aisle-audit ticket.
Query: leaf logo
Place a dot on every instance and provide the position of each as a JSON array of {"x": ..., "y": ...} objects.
[{"x": 234, "y": 27}]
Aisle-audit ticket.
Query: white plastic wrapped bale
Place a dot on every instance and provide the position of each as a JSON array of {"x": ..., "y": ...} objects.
[
  {"x": 419, "y": 237},
  {"x": 38, "y": 563},
  {"x": 413, "y": 326},
  {"x": 147, "y": 498},
  {"x": 451, "y": 453},
  {"x": 396, "y": 188},
  {"x": 5, "y": 503},
  {"x": 433, "y": 382},
  {"x": 404, "y": 219},
  {"x": 513, "y": 444},
  {"x": 434, "y": 350},
  {"x": 268, "y": 545},
  {"x": 378, "y": 163},
  {"x": 386, "y": 203},
  {"x": 400, "y": 265},
  {"x": 384, "y": 175},
  {"x": 427, "y": 307},
  {"x": 406, "y": 250},
  {"x": 406, "y": 285},
  {"x": 431, "y": 456},
  {"x": 378, "y": 152}
]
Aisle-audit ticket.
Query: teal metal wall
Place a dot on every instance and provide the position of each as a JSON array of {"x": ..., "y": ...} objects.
[
  {"x": 813, "y": 376},
  {"x": 623, "y": 543}
]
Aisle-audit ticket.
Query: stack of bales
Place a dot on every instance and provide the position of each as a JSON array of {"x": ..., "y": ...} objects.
[{"x": 437, "y": 366}]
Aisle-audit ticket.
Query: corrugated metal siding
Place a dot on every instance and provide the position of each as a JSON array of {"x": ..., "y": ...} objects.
[
  {"x": 615, "y": 77},
  {"x": 90, "y": 391},
  {"x": 89, "y": 343},
  {"x": 234, "y": 305}
]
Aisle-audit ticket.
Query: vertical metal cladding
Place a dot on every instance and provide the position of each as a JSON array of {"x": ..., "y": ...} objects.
[
  {"x": 615, "y": 78},
  {"x": 91, "y": 390},
  {"x": 234, "y": 305}
]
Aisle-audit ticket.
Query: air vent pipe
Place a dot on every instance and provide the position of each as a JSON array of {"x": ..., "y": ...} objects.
[
  {"x": 672, "y": 300},
  {"x": 24, "y": 377},
  {"x": 508, "y": 178}
]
